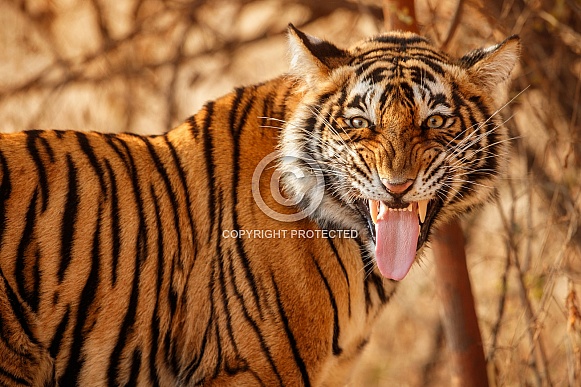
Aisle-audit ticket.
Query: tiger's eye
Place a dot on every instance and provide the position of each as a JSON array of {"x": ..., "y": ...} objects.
[
  {"x": 435, "y": 121},
  {"x": 357, "y": 122}
]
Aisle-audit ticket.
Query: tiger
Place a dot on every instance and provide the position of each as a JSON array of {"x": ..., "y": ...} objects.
[{"x": 257, "y": 242}]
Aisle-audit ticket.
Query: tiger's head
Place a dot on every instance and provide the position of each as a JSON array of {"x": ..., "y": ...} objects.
[{"x": 393, "y": 137}]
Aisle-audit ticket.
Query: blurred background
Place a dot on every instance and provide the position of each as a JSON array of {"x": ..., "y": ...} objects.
[{"x": 143, "y": 66}]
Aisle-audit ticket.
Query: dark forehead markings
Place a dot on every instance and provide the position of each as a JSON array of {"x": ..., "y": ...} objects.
[
  {"x": 420, "y": 76},
  {"x": 407, "y": 95},
  {"x": 438, "y": 99},
  {"x": 399, "y": 63},
  {"x": 357, "y": 102},
  {"x": 379, "y": 70},
  {"x": 400, "y": 40},
  {"x": 403, "y": 92},
  {"x": 374, "y": 74},
  {"x": 384, "y": 52}
]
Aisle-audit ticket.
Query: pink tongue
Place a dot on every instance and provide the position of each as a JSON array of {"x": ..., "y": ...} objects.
[{"x": 397, "y": 238}]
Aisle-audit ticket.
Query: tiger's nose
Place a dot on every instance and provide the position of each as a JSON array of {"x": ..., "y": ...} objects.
[{"x": 395, "y": 187}]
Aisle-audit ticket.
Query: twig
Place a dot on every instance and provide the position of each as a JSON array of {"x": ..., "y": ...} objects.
[{"x": 501, "y": 305}]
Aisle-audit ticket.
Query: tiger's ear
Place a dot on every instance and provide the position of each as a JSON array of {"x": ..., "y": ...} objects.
[
  {"x": 491, "y": 67},
  {"x": 312, "y": 58}
]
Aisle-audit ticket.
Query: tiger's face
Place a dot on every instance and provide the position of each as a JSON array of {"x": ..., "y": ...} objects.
[{"x": 404, "y": 136}]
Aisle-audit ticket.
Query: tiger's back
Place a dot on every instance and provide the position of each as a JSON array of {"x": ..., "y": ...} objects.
[{"x": 149, "y": 261}]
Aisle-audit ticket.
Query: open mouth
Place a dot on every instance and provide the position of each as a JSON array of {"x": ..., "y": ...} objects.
[{"x": 399, "y": 230}]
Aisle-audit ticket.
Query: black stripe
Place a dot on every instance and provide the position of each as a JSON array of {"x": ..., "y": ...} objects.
[
  {"x": 430, "y": 174},
  {"x": 241, "y": 364},
  {"x": 419, "y": 76},
  {"x": 55, "y": 343},
  {"x": 32, "y": 136},
  {"x": 368, "y": 264},
  {"x": 378, "y": 74},
  {"x": 170, "y": 351},
  {"x": 155, "y": 319},
  {"x": 291, "y": 338},
  {"x": 213, "y": 321},
  {"x": 5, "y": 191},
  {"x": 337, "y": 350},
  {"x": 35, "y": 293},
  {"x": 182, "y": 176},
  {"x": 141, "y": 253},
  {"x": 115, "y": 226},
  {"x": 14, "y": 378},
  {"x": 238, "y": 93},
  {"x": 407, "y": 96},
  {"x": 434, "y": 66},
  {"x": 357, "y": 102},
  {"x": 135, "y": 367},
  {"x": 343, "y": 270},
  {"x": 221, "y": 255},
  {"x": 284, "y": 105},
  {"x": 195, "y": 363},
  {"x": 191, "y": 368},
  {"x": 46, "y": 144},
  {"x": 438, "y": 99},
  {"x": 341, "y": 98},
  {"x": 18, "y": 310},
  {"x": 159, "y": 165},
  {"x": 173, "y": 295},
  {"x": 88, "y": 150},
  {"x": 218, "y": 355},
  {"x": 115, "y": 143},
  {"x": 209, "y": 163},
  {"x": 268, "y": 109},
  {"x": 128, "y": 321},
  {"x": 69, "y": 219},
  {"x": 377, "y": 281},
  {"x": 385, "y": 56},
  {"x": 372, "y": 278},
  {"x": 194, "y": 128},
  {"x": 253, "y": 323},
  {"x": 237, "y": 127},
  {"x": 76, "y": 361},
  {"x": 20, "y": 269},
  {"x": 388, "y": 91},
  {"x": 400, "y": 41}
]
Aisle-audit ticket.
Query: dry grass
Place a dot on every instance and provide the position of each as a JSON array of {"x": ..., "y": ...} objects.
[{"x": 145, "y": 65}]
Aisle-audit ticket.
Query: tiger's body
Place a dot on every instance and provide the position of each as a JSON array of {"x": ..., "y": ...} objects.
[{"x": 119, "y": 258}]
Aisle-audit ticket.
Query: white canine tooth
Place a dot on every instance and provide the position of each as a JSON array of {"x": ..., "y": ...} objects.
[
  {"x": 409, "y": 207},
  {"x": 422, "y": 209},
  {"x": 382, "y": 210},
  {"x": 374, "y": 210}
]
